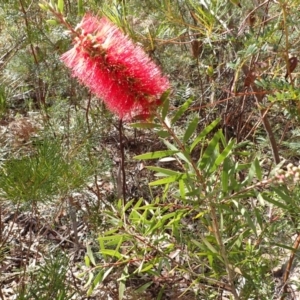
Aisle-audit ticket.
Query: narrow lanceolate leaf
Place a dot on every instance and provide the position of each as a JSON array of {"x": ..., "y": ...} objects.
[
  {"x": 191, "y": 129},
  {"x": 209, "y": 246},
  {"x": 283, "y": 194},
  {"x": 98, "y": 279},
  {"x": 107, "y": 272},
  {"x": 258, "y": 169},
  {"x": 52, "y": 22},
  {"x": 225, "y": 175},
  {"x": 80, "y": 8},
  {"x": 122, "y": 281},
  {"x": 210, "y": 153},
  {"x": 219, "y": 160},
  {"x": 122, "y": 287},
  {"x": 204, "y": 133},
  {"x": 163, "y": 171},
  {"x": 181, "y": 110},
  {"x": 163, "y": 133},
  {"x": 168, "y": 180},
  {"x": 90, "y": 254},
  {"x": 144, "y": 287},
  {"x": 111, "y": 253},
  {"x": 276, "y": 203},
  {"x": 183, "y": 155},
  {"x": 166, "y": 103},
  {"x": 182, "y": 189},
  {"x": 157, "y": 154},
  {"x": 60, "y": 6}
]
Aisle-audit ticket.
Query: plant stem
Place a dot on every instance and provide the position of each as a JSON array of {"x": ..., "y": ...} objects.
[
  {"x": 228, "y": 266},
  {"x": 289, "y": 267},
  {"x": 122, "y": 162},
  {"x": 215, "y": 223},
  {"x": 258, "y": 95}
]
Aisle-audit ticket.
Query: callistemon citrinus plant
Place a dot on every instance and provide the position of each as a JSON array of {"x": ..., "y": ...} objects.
[{"x": 115, "y": 69}]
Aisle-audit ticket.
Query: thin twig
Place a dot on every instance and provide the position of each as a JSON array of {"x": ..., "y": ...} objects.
[
  {"x": 289, "y": 267},
  {"x": 122, "y": 166},
  {"x": 40, "y": 95},
  {"x": 215, "y": 222},
  {"x": 259, "y": 99}
]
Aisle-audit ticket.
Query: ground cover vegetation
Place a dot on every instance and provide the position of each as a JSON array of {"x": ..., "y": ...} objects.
[{"x": 149, "y": 149}]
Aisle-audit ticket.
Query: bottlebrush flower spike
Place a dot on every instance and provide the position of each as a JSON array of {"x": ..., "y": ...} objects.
[{"x": 115, "y": 69}]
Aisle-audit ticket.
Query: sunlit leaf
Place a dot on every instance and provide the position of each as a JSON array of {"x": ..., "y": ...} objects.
[
  {"x": 90, "y": 254},
  {"x": 80, "y": 8},
  {"x": 169, "y": 179},
  {"x": 181, "y": 111},
  {"x": 60, "y": 6},
  {"x": 191, "y": 129},
  {"x": 144, "y": 287},
  {"x": 111, "y": 253},
  {"x": 166, "y": 104},
  {"x": 204, "y": 133},
  {"x": 157, "y": 154}
]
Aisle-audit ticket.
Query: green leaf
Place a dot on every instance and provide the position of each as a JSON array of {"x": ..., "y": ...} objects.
[
  {"x": 261, "y": 199},
  {"x": 122, "y": 282},
  {"x": 225, "y": 175},
  {"x": 168, "y": 180},
  {"x": 183, "y": 155},
  {"x": 128, "y": 205},
  {"x": 43, "y": 7},
  {"x": 181, "y": 110},
  {"x": 107, "y": 272},
  {"x": 52, "y": 22},
  {"x": 257, "y": 169},
  {"x": 122, "y": 288},
  {"x": 144, "y": 287},
  {"x": 87, "y": 261},
  {"x": 163, "y": 171},
  {"x": 91, "y": 276},
  {"x": 166, "y": 104},
  {"x": 60, "y": 6},
  {"x": 284, "y": 246},
  {"x": 244, "y": 212},
  {"x": 190, "y": 130},
  {"x": 111, "y": 253},
  {"x": 149, "y": 266},
  {"x": 209, "y": 245},
  {"x": 284, "y": 196},
  {"x": 80, "y": 8},
  {"x": 204, "y": 133},
  {"x": 161, "y": 293},
  {"x": 219, "y": 160},
  {"x": 112, "y": 240},
  {"x": 163, "y": 133},
  {"x": 157, "y": 154},
  {"x": 208, "y": 158},
  {"x": 90, "y": 254},
  {"x": 98, "y": 278},
  {"x": 251, "y": 50},
  {"x": 182, "y": 189}
]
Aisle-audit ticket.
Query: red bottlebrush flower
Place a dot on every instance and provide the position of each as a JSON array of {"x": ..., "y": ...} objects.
[{"x": 115, "y": 69}]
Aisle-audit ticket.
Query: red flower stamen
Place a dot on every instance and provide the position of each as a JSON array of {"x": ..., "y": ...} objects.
[{"x": 115, "y": 69}]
